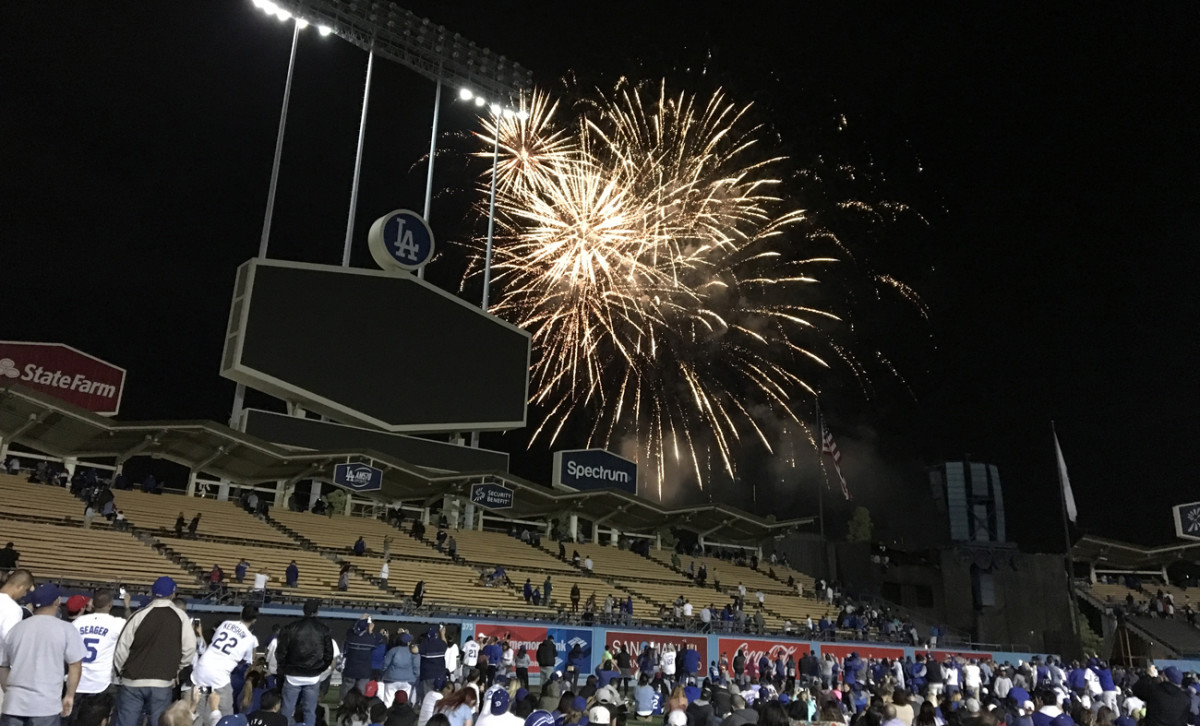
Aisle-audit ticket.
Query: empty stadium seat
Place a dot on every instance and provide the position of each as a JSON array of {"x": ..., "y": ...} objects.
[
  {"x": 158, "y": 512},
  {"x": 89, "y": 556}
]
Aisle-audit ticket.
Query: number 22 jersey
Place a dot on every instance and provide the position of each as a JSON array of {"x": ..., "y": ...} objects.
[{"x": 233, "y": 643}]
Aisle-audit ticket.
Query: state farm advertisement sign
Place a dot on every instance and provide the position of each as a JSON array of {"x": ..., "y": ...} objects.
[
  {"x": 754, "y": 649},
  {"x": 65, "y": 373}
]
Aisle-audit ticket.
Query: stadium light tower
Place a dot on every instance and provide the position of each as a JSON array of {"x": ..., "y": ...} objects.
[
  {"x": 272, "y": 9},
  {"x": 384, "y": 29}
]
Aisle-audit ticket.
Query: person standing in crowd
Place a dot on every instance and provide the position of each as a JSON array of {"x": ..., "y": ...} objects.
[
  {"x": 194, "y": 525},
  {"x": 304, "y": 651},
  {"x": 1167, "y": 704},
  {"x": 292, "y": 574},
  {"x": 384, "y": 570},
  {"x": 547, "y": 655},
  {"x": 239, "y": 571},
  {"x": 360, "y": 547},
  {"x": 8, "y": 558},
  {"x": 100, "y": 630},
  {"x": 433, "y": 661},
  {"x": 233, "y": 643},
  {"x": 418, "y": 595},
  {"x": 470, "y": 653},
  {"x": 156, "y": 644},
  {"x": 401, "y": 669},
  {"x": 360, "y": 642},
  {"x": 32, "y": 660},
  {"x": 180, "y": 523}
]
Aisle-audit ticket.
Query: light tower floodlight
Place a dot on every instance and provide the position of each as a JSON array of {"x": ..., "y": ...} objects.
[{"x": 418, "y": 44}]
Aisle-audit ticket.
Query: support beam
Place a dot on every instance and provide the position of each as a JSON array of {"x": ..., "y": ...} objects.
[
  {"x": 314, "y": 494},
  {"x": 619, "y": 510},
  {"x": 6, "y": 439},
  {"x": 146, "y": 443},
  {"x": 712, "y": 530},
  {"x": 573, "y": 527}
]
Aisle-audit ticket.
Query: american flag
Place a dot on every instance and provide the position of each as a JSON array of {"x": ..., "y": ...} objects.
[{"x": 829, "y": 446}]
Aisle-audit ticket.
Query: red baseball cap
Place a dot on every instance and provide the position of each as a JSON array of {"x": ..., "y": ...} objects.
[{"x": 77, "y": 604}]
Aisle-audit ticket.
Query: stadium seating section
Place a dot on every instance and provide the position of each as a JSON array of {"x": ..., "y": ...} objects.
[
  {"x": 217, "y": 519},
  {"x": 46, "y": 525}
]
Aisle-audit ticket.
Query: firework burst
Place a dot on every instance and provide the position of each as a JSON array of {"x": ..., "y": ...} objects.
[{"x": 646, "y": 244}]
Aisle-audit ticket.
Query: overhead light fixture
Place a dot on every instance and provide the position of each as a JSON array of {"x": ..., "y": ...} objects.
[
  {"x": 495, "y": 109},
  {"x": 523, "y": 115},
  {"x": 479, "y": 101},
  {"x": 301, "y": 23},
  {"x": 465, "y": 94},
  {"x": 324, "y": 30}
]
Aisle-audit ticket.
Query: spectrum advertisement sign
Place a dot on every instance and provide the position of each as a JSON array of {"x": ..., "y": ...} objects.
[
  {"x": 531, "y": 637},
  {"x": 65, "y": 373},
  {"x": 584, "y": 469}
]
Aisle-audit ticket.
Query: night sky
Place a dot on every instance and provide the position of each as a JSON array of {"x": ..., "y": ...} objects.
[{"x": 1053, "y": 150}]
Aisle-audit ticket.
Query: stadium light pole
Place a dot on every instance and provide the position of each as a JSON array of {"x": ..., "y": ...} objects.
[
  {"x": 437, "y": 106},
  {"x": 298, "y": 24},
  {"x": 487, "y": 255},
  {"x": 287, "y": 95},
  {"x": 362, "y": 132}
]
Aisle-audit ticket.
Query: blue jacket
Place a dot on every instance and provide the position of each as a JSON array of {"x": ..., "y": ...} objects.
[
  {"x": 1106, "y": 679},
  {"x": 580, "y": 663},
  {"x": 357, "y": 650},
  {"x": 1076, "y": 679},
  {"x": 433, "y": 656},
  {"x": 494, "y": 653},
  {"x": 401, "y": 665},
  {"x": 292, "y": 574},
  {"x": 691, "y": 661}
]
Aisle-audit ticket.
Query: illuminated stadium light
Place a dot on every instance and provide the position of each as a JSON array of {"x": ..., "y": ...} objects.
[
  {"x": 324, "y": 30},
  {"x": 419, "y": 44},
  {"x": 465, "y": 94}
]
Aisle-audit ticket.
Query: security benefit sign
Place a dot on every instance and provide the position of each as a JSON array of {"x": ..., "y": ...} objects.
[
  {"x": 594, "y": 469},
  {"x": 358, "y": 477},
  {"x": 1187, "y": 520},
  {"x": 491, "y": 495}
]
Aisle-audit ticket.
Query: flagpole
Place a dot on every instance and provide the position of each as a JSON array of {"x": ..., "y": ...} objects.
[
  {"x": 1062, "y": 497},
  {"x": 821, "y": 464}
]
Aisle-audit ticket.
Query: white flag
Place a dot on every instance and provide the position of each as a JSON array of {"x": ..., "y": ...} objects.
[{"x": 1065, "y": 482}]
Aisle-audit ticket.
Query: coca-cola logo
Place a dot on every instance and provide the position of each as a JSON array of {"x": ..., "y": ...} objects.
[{"x": 755, "y": 649}]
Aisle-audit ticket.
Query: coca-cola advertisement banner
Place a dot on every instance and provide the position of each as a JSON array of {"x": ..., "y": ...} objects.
[
  {"x": 753, "y": 649},
  {"x": 634, "y": 642},
  {"x": 65, "y": 373}
]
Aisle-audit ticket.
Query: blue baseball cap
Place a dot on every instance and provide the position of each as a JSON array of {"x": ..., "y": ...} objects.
[
  {"x": 236, "y": 719},
  {"x": 537, "y": 718},
  {"x": 1020, "y": 695},
  {"x": 44, "y": 594},
  {"x": 1174, "y": 675},
  {"x": 165, "y": 587},
  {"x": 499, "y": 702}
]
